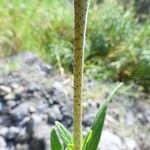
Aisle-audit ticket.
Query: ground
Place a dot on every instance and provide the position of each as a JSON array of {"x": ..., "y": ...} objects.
[{"x": 33, "y": 95}]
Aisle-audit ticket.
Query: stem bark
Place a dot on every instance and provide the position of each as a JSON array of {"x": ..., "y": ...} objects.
[{"x": 81, "y": 13}]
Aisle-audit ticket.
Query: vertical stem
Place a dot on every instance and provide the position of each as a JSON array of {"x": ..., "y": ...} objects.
[{"x": 81, "y": 10}]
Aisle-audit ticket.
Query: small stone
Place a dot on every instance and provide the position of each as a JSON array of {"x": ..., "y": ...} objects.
[
  {"x": 22, "y": 136},
  {"x": 10, "y": 96},
  {"x": 46, "y": 68},
  {"x": 130, "y": 118},
  {"x": 4, "y": 90},
  {"x": 34, "y": 121},
  {"x": 36, "y": 118},
  {"x": 67, "y": 121},
  {"x": 22, "y": 147},
  {"x": 40, "y": 140},
  {"x": 54, "y": 114},
  {"x": 17, "y": 88},
  {"x": 146, "y": 144},
  {"x": 42, "y": 107},
  {"x": 32, "y": 109},
  {"x": 3, "y": 131},
  {"x": 58, "y": 86},
  {"x": 2, "y": 143},
  {"x": 131, "y": 144},
  {"x": 33, "y": 88},
  {"x": 89, "y": 112},
  {"x": 87, "y": 119},
  {"x": 11, "y": 104},
  {"x": 24, "y": 121},
  {"x": 12, "y": 132},
  {"x": 110, "y": 141},
  {"x": 19, "y": 112}
]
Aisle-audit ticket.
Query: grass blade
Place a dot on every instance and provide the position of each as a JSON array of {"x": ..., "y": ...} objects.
[
  {"x": 98, "y": 123},
  {"x": 64, "y": 133},
  {"x": 55, "y": 143},
  {"x": 87, "y": 139}
]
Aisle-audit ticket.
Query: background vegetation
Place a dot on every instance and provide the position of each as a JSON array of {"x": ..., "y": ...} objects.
[{"x": 117, "y": 48}]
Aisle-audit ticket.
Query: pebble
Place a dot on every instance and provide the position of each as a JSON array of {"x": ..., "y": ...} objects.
[
  {"x": 131, "y": 144},
  {"x": 110, "y": 141},
  {"x": 130, "y": 118},
  {"x": 22, "y": 147},
  {"x": 4, "y": 131},
  {"x": 22, "y": 136},
  {"x": 10, "y": 96},
  {"x": 40, "y": 140},
  {"x": 32, "y": 109},
  {"x": 2, "y": 143},
  {"x": 54, "y": 114},
  {"x": 19, "y": 112},
  {"x": 12, "y": 132},
  {"x": 4, "y": 90}
]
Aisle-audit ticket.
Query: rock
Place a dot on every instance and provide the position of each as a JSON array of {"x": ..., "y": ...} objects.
[
  {"x": 2, "y": 143},
  {"x": 54, "y": 114},
  {"x": 4, "y": 90},
  {"x": 67, "y": 112},
  {"x": 110, "y": 141},
  {"x": 42, "y": 106},
  {"x": 31, "y": 101},
  {"x": 22, "y": 147},
  {"x": 146, "y": 143},
  {"x": 67, "y": 121},
  {"x": 11, "y": 146},
  {"x": 32, "y": 123},
  {"x": 24, "y": 121},
  {"x": 131, "y": 144},
  {"x": 46, "y": 68},
  {"x": 19, "y": 112},
  {"x": 89, "y": 112},
  {"x": 12, "y": 132},
  {"x": 36, "y": 118},
  {"x": 28, "y": 58},
  {"x": 4, "y": 131},
  {"x": 87, "y": 119},
  {"x": 10, "y": 96},
  {"x": 32, "y": 88},
  {"x": 130, "y": 118},
  {"x": 22, "y": 136},
  {"x": 58, "y": 86},
  {"x": 11, "y": 104},
  {"x": 17, "y": 88},
  {"x": 32, "y": 109},
  {"x": 41, "y": 136}
]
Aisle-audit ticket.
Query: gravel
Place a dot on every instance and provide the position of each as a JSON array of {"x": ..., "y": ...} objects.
[{"x": 34, "y": 96}]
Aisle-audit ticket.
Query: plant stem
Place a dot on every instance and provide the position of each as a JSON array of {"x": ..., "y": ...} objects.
[{"x": 81, "y": 11}]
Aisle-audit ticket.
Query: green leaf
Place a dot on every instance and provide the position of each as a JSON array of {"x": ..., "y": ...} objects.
[
  {"x": 98, "y": 123},
  {"x": 64, "y": 133},
  {"x": 55, "y": 143},
  {"x": 70, "y": 147},
  {"x": 87, "y": 139}
]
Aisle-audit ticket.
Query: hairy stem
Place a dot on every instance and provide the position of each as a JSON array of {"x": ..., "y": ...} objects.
[{"x": 81, "y": 11}]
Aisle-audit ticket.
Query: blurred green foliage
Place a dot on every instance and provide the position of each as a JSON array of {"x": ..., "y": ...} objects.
[{"x": 117, "y": 47}]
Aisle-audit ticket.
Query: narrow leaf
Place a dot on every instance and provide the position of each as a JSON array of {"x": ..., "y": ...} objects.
[
  {"x": 64, "y": 133},
  {"x": 55, "y": 143},
  {"x": 98, "y": 123},
  {"x": 70, "y": 147},
  {"x": 87, "y": 139}
]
